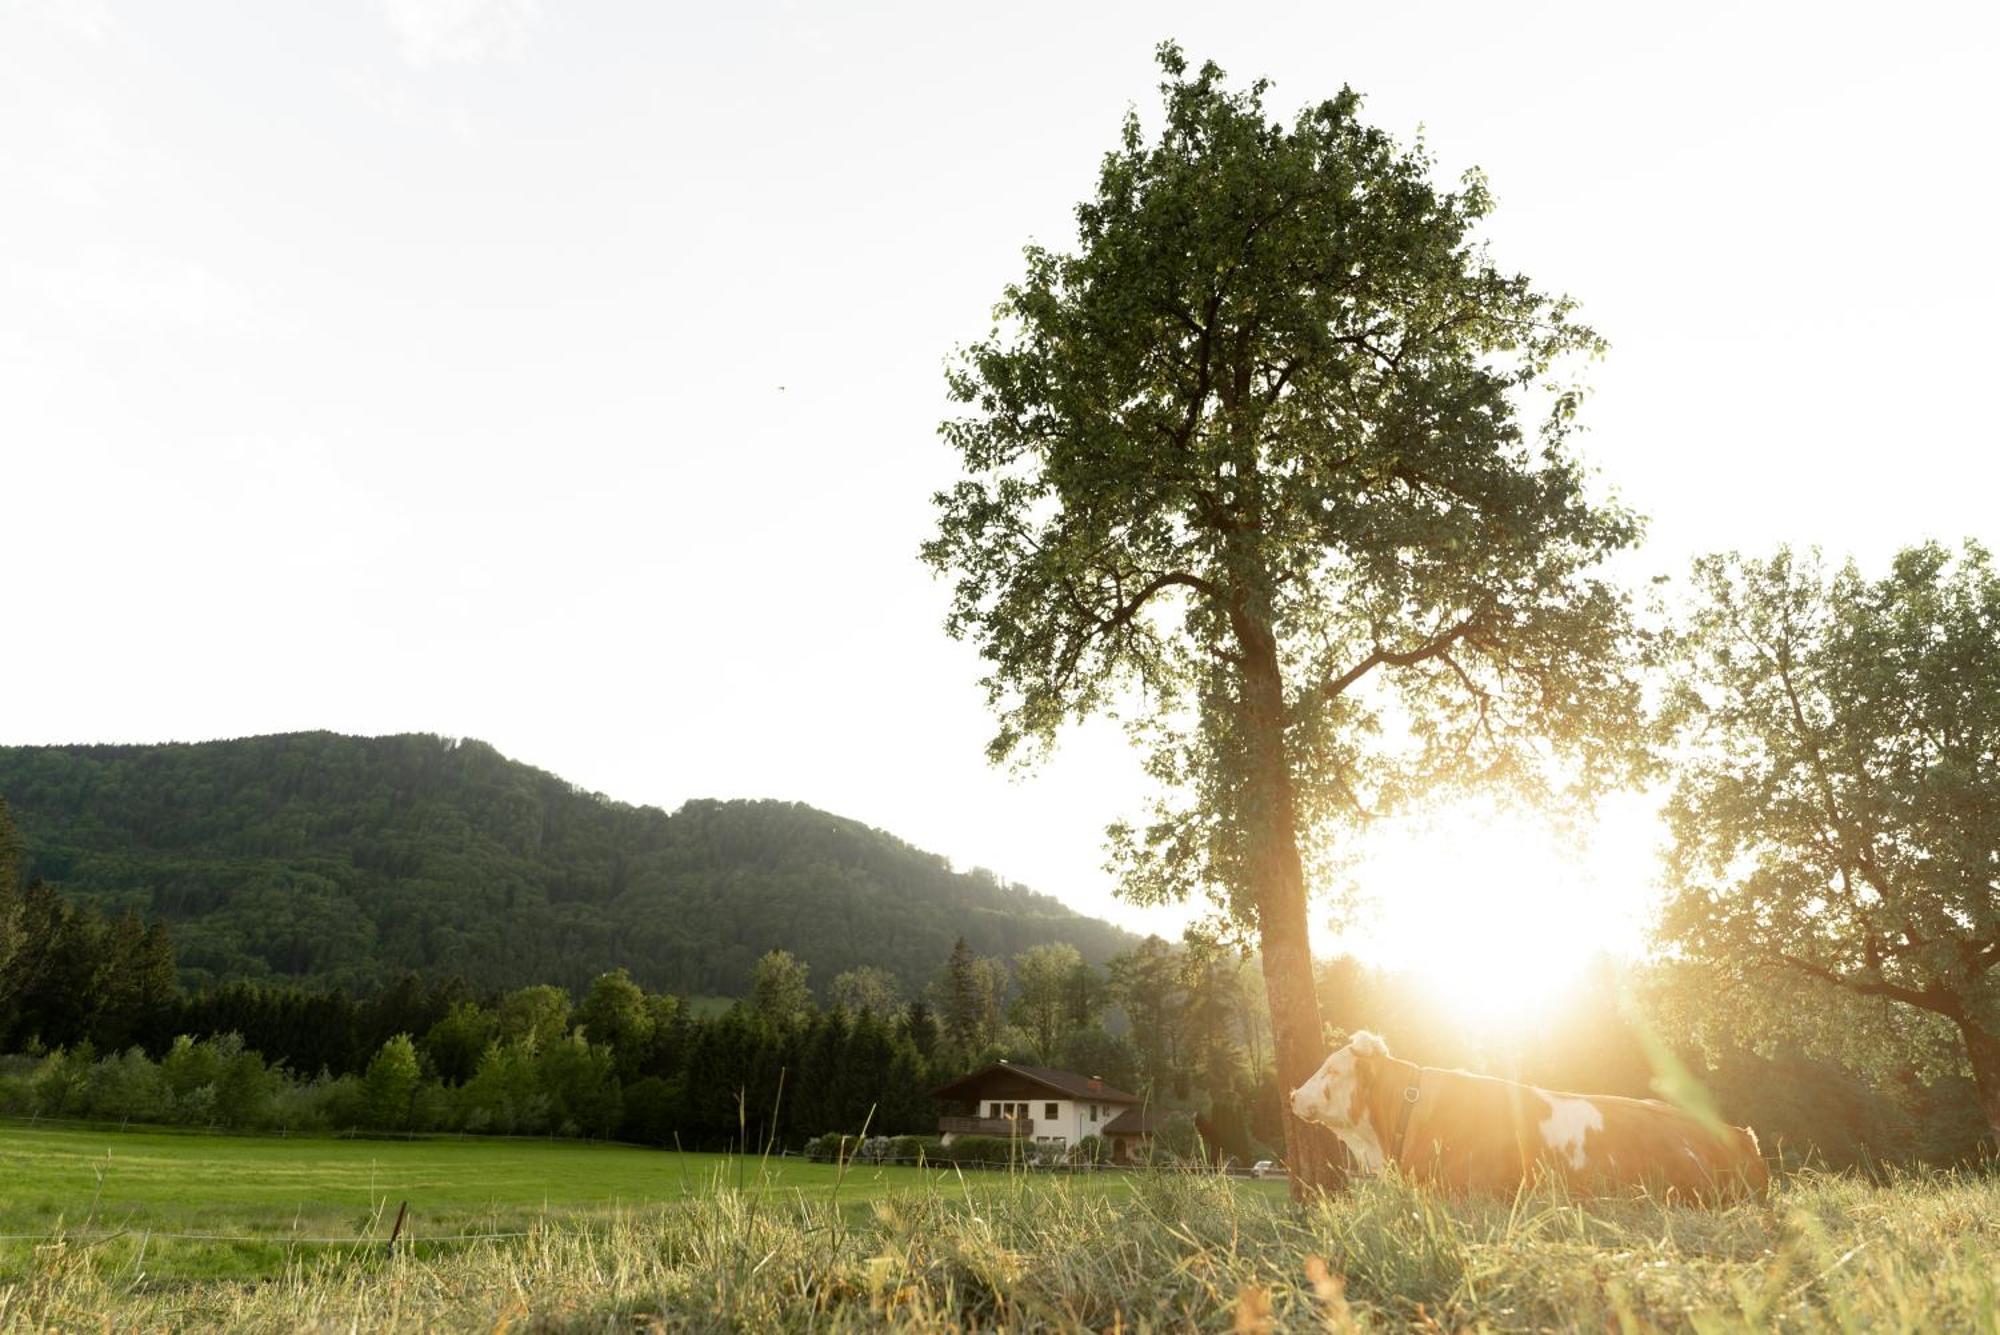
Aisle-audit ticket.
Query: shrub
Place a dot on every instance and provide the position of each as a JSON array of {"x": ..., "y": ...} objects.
[
  {"x": 982, "y": 1150},
  {"x": 304, "y": 1107},
  {"x": 505, "y": 1094},
  {"x": 17, "y": 1095},
  {"x": 126, "y": 1086},
  {"x": 1176, "y": 1142},
  {"x": 190, "y": 1066},
  {"x": 60, "y": 1084},
  {"x": 650, "y": 1109},
  {"x": 244, "y": 1089},
  {"x": 1046, "y": 1153}
]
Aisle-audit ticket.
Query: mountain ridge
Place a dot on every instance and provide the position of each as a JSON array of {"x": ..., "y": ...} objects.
[{"x": 332, "y": 859}]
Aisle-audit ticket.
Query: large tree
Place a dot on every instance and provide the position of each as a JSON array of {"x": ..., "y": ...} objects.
[
  {"x": 1837, "y": 817},
  {"x": 1249, "y": 466}
]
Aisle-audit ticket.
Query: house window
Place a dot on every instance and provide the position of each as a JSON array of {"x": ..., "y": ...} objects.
[
  {"x": 1051, "y": 1113},
  {"x": 1093, "y": 1112},
  {"x": 994, "y": 1111}
]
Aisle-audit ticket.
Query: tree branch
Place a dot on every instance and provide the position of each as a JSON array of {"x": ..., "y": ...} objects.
[
  {"x": 1130, "y": 608},
  {"x": 1380, "y": 657},
  {"x": 1930, "y": 998},
  {"x": 1479, "y": 693}
]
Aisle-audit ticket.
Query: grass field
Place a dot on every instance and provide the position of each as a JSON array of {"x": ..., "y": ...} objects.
[
  {"x": 272, "y": 1199},
  {"x": 616, "y": 1239}
]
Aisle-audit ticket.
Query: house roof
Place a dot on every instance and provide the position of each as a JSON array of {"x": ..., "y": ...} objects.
[
  {"x": 1137, "y": 1122},
  {"x": 1067, "y": 1083}
]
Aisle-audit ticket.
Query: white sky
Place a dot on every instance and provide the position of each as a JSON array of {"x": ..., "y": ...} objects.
[{"x": 417, "y": 365}]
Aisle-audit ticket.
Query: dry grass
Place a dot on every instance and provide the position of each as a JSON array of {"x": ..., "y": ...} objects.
[{"x": 1178, "y": 1252}]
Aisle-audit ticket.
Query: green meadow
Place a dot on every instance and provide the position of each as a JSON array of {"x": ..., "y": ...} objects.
[
  {"x": 559, "y": 1236},
  {"x": 244, "y": 1207}
]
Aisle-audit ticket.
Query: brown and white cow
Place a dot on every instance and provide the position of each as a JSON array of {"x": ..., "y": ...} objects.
[{"x": 1475, "y": 1133}]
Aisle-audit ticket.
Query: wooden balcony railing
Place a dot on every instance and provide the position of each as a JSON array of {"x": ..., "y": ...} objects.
[{"x": 986, "y": 1126}]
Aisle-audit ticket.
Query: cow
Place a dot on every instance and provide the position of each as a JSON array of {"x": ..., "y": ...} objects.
[{"x": 1470, "y": 1133}]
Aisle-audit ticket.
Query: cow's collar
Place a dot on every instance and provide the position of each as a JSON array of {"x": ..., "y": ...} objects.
[{"x": 1411, "y": 1093}]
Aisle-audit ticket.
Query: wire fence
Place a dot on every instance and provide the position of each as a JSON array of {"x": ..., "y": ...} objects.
[{"x": 258, "y": 1239}]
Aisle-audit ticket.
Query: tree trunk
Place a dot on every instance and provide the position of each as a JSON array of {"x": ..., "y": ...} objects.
[
  {"x": 1277, "y": 882},
  {"x": 1312, "y": 1153},
  {"x": 1982, "y": 1048}
]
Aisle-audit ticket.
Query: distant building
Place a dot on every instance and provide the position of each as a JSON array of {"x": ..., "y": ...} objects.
[{"x": 1044, "y": 1106}]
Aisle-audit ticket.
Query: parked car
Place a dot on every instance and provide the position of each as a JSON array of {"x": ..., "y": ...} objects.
[{"x": 1263, "y": 1168}]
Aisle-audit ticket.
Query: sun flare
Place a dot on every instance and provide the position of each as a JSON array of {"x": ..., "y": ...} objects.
[{"x": 1494, "y": 914}]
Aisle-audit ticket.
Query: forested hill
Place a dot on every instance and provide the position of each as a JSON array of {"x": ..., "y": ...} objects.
[{"x": 350, "y": 860}]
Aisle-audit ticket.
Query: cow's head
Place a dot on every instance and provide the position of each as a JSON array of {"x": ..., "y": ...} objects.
[{"x": 1336, "y": 1097}]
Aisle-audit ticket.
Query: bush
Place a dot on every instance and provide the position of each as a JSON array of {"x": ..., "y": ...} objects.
[
  {"x": 1046, "y": 1153},
  {"x": 1176, "y": 1143},
  {"x": 1090, "y": 1150},
  {"x": 245, "y": 1088},
  {"x": 304, "y": 1107},
  {"x": 915, "y": 1149},
  {"x": 982, "y": 1150},
  {"x": 650, "y": 1112},
  {"x": 827, "y": 1148},
  {"x": 17, "y": 1095},
  {"x": 60, "y": 1084},
  {"x": 125, "y": 1087}
]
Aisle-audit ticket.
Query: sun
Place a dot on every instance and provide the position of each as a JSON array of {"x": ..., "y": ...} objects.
[{"x": 1496, "y": 914}]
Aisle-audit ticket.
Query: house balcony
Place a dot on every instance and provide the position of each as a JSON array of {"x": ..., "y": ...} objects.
[{"x": 986, "y": 1126}]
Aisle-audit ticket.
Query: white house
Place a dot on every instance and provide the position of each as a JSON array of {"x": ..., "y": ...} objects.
[{"x": 1044, "y": 1105}]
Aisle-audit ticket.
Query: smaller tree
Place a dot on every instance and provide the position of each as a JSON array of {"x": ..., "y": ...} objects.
[
  {"x": 1044, "y": 978},
  {"x": 389, "y": 1089},
  {"x": 457, "y": 1042},
  {"x": 970, "y": 991},
  {"x": 1094, "y": 1052},
  {"x": 1836, "y": 860},
  {"x": 615, "y": 1014},
  {"x": 245, "y": 1087},
  {"x": 778, "y": 990},
  {"x": 190, "y": 1066},
  {"x": 1086, "y": 996},
  {"x": 1147, "y": 982},
  {"x": 867, "y": 988},
  {"x": 1212, "y": 1016},
  {"x": 505, "y": 1094},
  {"x": 538, "y": 1015},
  {"x": 581, "y": 1082}
]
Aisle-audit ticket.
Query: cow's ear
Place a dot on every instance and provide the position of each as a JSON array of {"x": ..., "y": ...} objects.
[{"x": 1366, "y": 1044}]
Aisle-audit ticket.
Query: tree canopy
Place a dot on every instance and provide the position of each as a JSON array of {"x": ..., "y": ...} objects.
[
  {"x": 1836, "y": 818},
  {"x": 1276, "y": 463}
]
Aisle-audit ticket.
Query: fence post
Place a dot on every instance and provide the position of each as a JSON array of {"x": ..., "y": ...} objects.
[{"x": 397, "y": 1231}]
